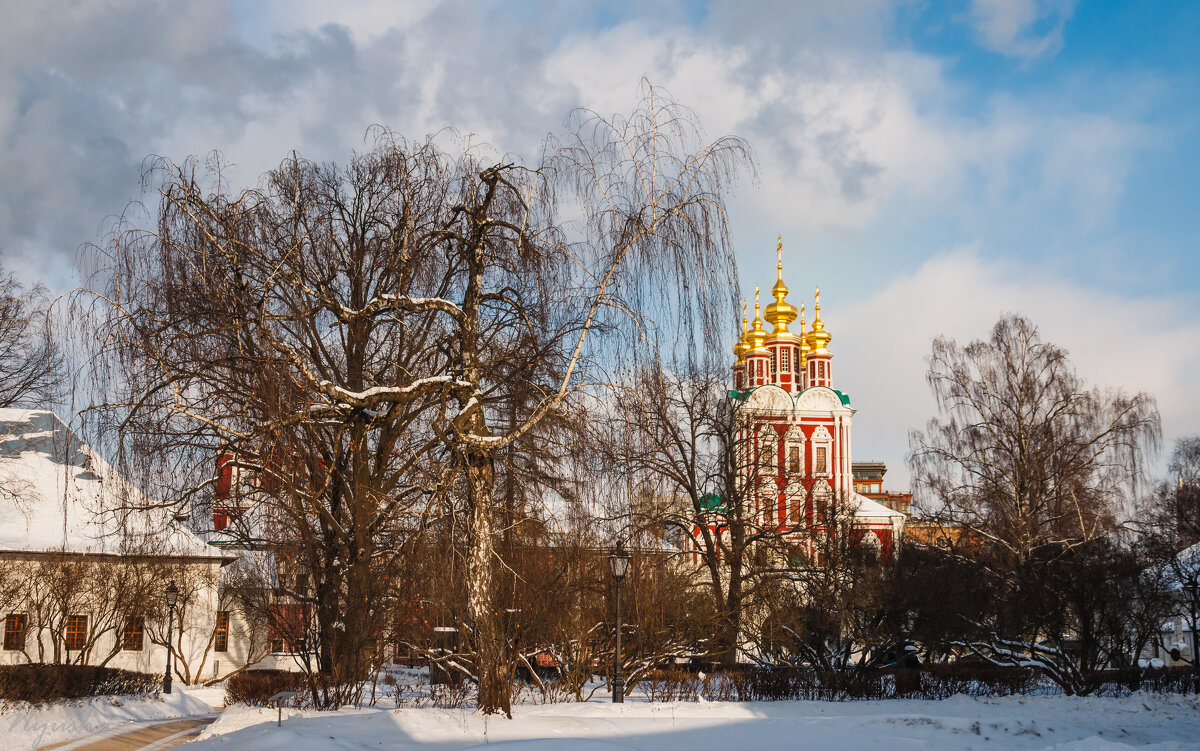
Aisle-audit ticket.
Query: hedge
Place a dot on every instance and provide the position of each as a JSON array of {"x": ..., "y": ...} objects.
[
  {"x": 254, "y": 687},
  {"x": 45, "y": 683}
]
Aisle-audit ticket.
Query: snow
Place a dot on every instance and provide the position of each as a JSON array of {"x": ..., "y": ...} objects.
[
  {"x": 866, "y": 507},
  {"x": 98, "y": 717},
  {"x": 56, "y": 491},
  {"x": 1141, "y": 721}
]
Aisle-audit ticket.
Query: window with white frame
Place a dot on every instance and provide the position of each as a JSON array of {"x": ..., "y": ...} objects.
[{"x": 822, "y": 443}]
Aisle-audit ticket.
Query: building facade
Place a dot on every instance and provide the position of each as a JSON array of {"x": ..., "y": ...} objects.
[{"x": 86, "y": 561}]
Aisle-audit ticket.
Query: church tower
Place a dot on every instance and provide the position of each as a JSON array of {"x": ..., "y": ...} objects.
[
  {"x": 794, "y": 426},
  {"x": 783, "y": 345}
]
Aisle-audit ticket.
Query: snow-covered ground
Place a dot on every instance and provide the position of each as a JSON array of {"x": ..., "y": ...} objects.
[
  {"x": 100, "y": 717},
  {"x": 1141, "y": 721}
]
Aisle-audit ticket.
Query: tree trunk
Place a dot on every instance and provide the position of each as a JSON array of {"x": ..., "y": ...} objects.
[{"x": 494, "y": 689}]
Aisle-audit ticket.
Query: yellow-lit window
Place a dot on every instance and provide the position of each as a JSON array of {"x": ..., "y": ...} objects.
[
  {"x": 14, "y": 631},
  {"x": 821, "y": 460},
  {"x": 76, "y": 632},
  {"x": 133, "y": 635},
  {"x": 221, "y": 640}
]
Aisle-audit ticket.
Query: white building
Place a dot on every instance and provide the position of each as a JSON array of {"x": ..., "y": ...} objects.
[{"x": 85, "y": 562}]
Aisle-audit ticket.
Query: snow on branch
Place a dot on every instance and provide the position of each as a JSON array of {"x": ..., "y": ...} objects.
[
  {"x": 389, "y": 302},
  {"x": 378, "y": 394}
]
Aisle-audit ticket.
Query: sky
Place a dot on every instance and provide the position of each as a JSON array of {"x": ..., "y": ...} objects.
[{"x": 931, "y": 165}]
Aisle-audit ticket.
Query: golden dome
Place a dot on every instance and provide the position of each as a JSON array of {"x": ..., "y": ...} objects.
[
  {"x": 818, "y": 339},
  {"x": 780, "y": 313},
  {"x": 741, "y": 348},
  {"x": 757, "y": 335}
]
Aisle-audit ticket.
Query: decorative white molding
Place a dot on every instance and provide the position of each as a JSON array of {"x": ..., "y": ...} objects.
[
  {"x": 770, "y": 398},
  {"x": 818, "y": 399}
]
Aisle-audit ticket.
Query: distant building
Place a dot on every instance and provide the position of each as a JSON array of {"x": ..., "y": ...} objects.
[{"x": 868, "y": 481}]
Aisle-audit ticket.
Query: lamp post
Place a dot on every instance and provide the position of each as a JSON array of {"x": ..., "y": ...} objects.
[
  {"x": 619, "y": 559},
  {"x": 172, "y": 598}
]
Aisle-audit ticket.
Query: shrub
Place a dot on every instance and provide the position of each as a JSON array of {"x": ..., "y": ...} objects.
[
  {"x": 254, "y": 687},
  {"x": 45, "y": 683}
]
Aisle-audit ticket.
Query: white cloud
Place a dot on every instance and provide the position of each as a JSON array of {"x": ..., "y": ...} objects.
[
  {"x": 1021, "y": 28},
  {"x": 882, "y": 343}
]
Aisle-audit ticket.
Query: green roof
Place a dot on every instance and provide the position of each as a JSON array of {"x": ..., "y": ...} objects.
[{"x": 712, "y": 502}]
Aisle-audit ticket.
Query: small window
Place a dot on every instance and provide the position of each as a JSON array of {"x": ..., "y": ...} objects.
[
  {"x": 221, "y": 639},
  {"x": 14, "y": 631},
  {"x": 774, "y": 361},
  {"x": 76, "y": 632},
  {"x": 133, "y": 635},
  {"x": 822, "y": 460},
  {"x": 793, "y": 459}
]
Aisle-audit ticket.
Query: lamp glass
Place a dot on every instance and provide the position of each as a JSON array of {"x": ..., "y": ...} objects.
[
  {"x": 172, "y": 595},
  {"x": 620, "y": 562}
]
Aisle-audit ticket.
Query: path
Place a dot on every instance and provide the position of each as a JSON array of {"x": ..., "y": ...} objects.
[{"x": 151, "y": 737}]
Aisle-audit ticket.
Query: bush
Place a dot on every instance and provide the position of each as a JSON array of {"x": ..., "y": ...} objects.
[
  {"x": 42, "y": 684},
  {"x": 760, "y": 683},
  {"x": 254, "y": 687}
]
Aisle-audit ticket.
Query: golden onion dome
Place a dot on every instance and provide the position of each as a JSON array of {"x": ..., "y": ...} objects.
[
  {"x": 757, "y": 335},
  {"x": 818, "y": 339},
  {"x": 780, "y": 313},
  {"x": 742, "y": 347}
]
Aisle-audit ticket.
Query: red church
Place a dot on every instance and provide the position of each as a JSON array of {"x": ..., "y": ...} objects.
[{"x": 795, "y": 429}]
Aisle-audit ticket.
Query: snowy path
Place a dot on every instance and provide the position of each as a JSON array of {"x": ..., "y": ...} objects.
[
  {"x": 71, "y": 724},
  {"x": 157, "y": 736},
  {"x": 1063, "y": 723}
]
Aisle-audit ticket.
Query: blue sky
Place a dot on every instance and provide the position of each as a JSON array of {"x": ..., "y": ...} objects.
[{"x": 930, "y": 164}]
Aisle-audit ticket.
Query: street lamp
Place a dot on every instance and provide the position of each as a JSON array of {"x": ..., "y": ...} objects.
[
  {"x": 619, "y": 559},
  {"x": 172, "y": 598}
]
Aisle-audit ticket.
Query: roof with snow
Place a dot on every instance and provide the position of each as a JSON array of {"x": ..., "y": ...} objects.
[
  {"x": 58, "y": 495},
  {"x": 865, "y": 507}
]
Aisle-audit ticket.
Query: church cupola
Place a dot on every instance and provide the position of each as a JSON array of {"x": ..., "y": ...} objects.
[
  {"x": 758, "y": 358},
  {"x": 783, "y": 345},
  {"x": 819, "y": 357}
]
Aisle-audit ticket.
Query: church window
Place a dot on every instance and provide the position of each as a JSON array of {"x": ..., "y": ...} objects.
[
  {"x": 821, "y": 465},
  {"x": 793, "y": 458},
  {"x": 787, "y": 365},
  {"x": 221, "y": 637},
  {"x": 774, "y": 359},
  {"x": 133, "y": 635},
  {"x": 14, "y": 631},
  {"x": 76, "y": 632}
]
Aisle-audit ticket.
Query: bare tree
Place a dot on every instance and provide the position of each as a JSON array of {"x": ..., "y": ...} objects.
[
  {"x": 368, "y": 340},
  {"x": 1034, "y": 467},
  {"x": 31, "y": 364},
  {"x": 677, "y": 443}
]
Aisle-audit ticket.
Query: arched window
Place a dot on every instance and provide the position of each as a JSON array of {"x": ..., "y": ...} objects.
[
  {"x": 822, "y": 458},
  {"x": 822, "y": 498},
  {"x": 794, "y": 451},
  {"x": 795, "y": 502},
  {"x": 768, "y": 451}
]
